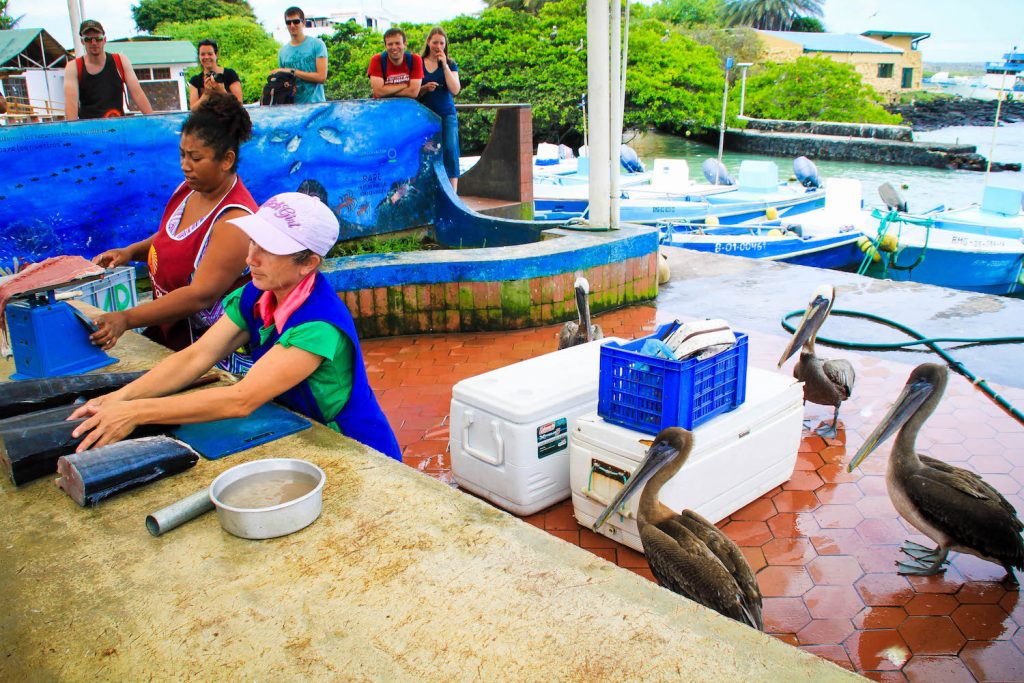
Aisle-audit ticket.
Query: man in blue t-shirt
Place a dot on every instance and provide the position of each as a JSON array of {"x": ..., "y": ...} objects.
[{"x": 304, "y": 58}]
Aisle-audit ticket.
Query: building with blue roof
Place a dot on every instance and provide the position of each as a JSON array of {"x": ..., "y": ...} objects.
[{"x": 888, "y": 61}]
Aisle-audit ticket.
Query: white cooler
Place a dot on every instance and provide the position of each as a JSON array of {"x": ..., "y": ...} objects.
[
  {"x": 510, "y": 427},
  {"x": 736, "y": 457}
]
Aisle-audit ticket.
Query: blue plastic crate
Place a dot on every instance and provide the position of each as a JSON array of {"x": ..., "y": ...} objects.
[{"x": 649, "y": 394}]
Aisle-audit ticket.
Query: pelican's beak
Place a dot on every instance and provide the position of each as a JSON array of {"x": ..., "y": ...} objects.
[
  {"x": 814, "y": 318},
  {"x": 583, "y": 306},
  {"x": 909, "y": 400},
  {"x": 658, "y": 455}
]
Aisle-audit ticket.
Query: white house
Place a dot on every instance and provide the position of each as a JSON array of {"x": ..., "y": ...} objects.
[
  {"x": 32, "y": 73},
  {"x": 160, "y": 65}
]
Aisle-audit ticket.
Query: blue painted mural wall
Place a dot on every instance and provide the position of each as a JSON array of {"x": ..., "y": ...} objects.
[{"x": 85, "y": 186}]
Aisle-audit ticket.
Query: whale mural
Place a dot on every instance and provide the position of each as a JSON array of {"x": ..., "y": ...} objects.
[{"x": 85, "y": 186}]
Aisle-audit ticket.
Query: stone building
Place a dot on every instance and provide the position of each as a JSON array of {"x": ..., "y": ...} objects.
[{"x": 888, "y": 61}]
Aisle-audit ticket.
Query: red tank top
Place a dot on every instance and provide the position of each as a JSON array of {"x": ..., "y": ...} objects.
[{"x": 175, "y": 255}]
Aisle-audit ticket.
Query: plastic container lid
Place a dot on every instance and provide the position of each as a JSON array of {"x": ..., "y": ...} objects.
[{"x": 534, "y": 388}]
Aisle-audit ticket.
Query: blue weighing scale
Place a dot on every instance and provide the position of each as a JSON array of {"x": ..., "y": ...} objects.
[{"x": 51, "y": 338}]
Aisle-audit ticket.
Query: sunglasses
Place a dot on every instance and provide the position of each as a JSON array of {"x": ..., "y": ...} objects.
[
  {"x": 293, "y": 21},
  {"x": 93, "y": 39}
]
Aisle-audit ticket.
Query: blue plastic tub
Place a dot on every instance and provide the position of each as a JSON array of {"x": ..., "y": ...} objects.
[{"x": 649, "y": 394}]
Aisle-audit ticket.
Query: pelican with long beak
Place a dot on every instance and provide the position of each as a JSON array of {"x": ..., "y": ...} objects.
[
  {"x": 687, "y": 553},
  {"x": 826, "y": 382},
  {"x": 955, "y": 508},
  {"x": 575, "y": 333}
]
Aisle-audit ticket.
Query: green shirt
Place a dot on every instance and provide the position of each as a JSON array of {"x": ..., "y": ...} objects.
[{"x": 331, "y": 382}]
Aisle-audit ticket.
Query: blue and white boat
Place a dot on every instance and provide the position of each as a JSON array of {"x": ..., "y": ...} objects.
[
  {"x": 977, "y": 248},
  {"x": 671, "y": 195},
  {"x": 824, "y": 238}
]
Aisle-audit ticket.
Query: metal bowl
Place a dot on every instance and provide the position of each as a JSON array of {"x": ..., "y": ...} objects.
[{"x": 276, "y": 520}]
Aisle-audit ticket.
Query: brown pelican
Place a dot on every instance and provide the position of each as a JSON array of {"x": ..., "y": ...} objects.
[
  {"x": 953, "y": 507},
  {"x": 826, "y": 382},
  {"x": 687, "y": 554},
  {"x": 575, "y": 333}
]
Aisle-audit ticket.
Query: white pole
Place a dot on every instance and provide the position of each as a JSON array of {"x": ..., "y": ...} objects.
[
  {"x": 598, "y": 101},
  {"x": 721, "y": 127},
  {"x": 75, "y": 16},
  {"x": 743, "y": 86},
  {"x": 614, "y": 96}
]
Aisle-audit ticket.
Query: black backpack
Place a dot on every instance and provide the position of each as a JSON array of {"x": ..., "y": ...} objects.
[{"x": 280, "y": 89}]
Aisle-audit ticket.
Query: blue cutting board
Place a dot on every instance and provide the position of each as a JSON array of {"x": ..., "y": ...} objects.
[{"x": 216, "y": 439}]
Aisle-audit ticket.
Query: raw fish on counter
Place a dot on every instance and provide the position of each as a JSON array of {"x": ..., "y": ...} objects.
[
  {"x": 18, "y": 398},
  {"x": 90, "y": 476}
]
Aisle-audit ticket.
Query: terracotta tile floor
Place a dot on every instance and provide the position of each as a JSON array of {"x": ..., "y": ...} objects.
[{"x": 823, "y": 544}]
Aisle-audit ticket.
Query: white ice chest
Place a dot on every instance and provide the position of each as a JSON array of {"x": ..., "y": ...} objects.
[
  {"x": 736, "y": 458},
  {"x": 510, "y": 427}
]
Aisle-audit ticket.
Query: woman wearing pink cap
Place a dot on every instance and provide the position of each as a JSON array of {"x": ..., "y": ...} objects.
[{"x": 303, "y": 342}]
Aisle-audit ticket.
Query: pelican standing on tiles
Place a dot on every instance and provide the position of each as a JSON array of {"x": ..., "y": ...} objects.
[
  {"x": 576, "y": 333},
  {"x": 687, "y": 553},
  {"x": 955, "y": 508},
  {"x": 826, "y": 382}
]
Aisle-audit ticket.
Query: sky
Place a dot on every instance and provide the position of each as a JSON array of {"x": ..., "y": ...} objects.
[{"x": 960, "y": 31}]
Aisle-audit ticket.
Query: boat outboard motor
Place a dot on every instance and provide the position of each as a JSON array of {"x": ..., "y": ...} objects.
[
  {"x": 716, "y": 173},
  {"x": 892, "y": 197},
  {"x": 806, "y": 172},
  {"x": 629, "y": 160}
]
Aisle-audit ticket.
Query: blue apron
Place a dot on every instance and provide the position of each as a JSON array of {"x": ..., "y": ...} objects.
[{"x": 361, "y": 418}]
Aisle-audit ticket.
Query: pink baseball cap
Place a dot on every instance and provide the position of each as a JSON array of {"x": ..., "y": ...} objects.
[{"x": 289, "y": 222}]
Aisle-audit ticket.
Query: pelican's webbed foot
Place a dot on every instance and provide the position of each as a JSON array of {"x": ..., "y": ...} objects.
[
  {"x": 828, "y": 431},
  {"x": 937, "y": 566},
  {"x": 919, "y": 552}
]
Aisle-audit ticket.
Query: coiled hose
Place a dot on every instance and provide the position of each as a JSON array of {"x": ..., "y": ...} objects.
[{"x": 920, "y": 340}]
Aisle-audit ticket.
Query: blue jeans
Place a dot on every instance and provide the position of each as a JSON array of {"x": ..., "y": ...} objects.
[{"x": 450, "y": 144}]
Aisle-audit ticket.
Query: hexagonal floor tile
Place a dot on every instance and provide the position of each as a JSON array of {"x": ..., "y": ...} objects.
[
  {"x": 835, "y": 570},
  {"x": 833, "y": 653},
  {"x": 884, "y": 590},
  {"x": 838, "y": 517},
  {"x": 758, "y": 511},
  {"x": 932, "y": 635},
  {"x": 984, "y": 622},
  {"x": 795, "y": 501},
  {"x": 782, "y": 581},
  {"x": 933, "y": 668},
  {"x": 880, "y": 618},
  {"x": 883, "y": 650},
  {"x": 836, "y": 541},
  {"x": 825, "y": 632},
  {"x": 998, "y": 661},
  {"x": 932, "y": 605},
  {"x": 793, "y": 524},
  {"x": 748, "y": 533},
  {"x": 791, "y": 551},
  {"x": 839, "y": 494},
  {"x": 784, "y": 615},
  {"x": 833, "y": 602}
]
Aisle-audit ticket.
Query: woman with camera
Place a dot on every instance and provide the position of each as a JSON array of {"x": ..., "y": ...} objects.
[{"x": 214, "y": 78}]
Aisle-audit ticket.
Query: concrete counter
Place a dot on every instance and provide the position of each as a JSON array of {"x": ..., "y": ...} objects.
[{"x": 401, "y": 579}]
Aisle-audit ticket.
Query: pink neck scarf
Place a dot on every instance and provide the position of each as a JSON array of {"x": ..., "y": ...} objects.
[{"x": 271, "y": 312}]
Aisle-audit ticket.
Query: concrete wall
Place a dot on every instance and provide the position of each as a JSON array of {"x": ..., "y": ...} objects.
[{"x": 496, "y": 288}]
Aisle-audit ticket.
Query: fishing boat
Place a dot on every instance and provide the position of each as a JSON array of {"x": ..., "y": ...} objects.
[
  {"x": 824, "y": 238},
  {"x": 978, "y": 248},
  {"x": 671, "y": 195}
]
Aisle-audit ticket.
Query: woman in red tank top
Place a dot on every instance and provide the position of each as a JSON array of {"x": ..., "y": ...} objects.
[{"x": 196, "y": 256}]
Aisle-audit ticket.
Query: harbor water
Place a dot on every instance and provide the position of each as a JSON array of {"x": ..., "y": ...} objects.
[{"x": 926, "y": 188}]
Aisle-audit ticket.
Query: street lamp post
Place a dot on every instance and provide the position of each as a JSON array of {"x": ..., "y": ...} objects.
[{"x": 743, "y": 84}]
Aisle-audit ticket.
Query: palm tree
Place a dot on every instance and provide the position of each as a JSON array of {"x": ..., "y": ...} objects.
[
  {"x": 6, "y": 20},
  {"x": 771, "y": 15}
]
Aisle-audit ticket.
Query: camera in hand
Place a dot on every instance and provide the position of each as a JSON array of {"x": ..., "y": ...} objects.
[{"x": 217, "y": 78}]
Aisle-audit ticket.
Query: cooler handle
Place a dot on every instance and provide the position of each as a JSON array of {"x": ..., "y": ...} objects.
[{"x": 499, "y": 455}]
